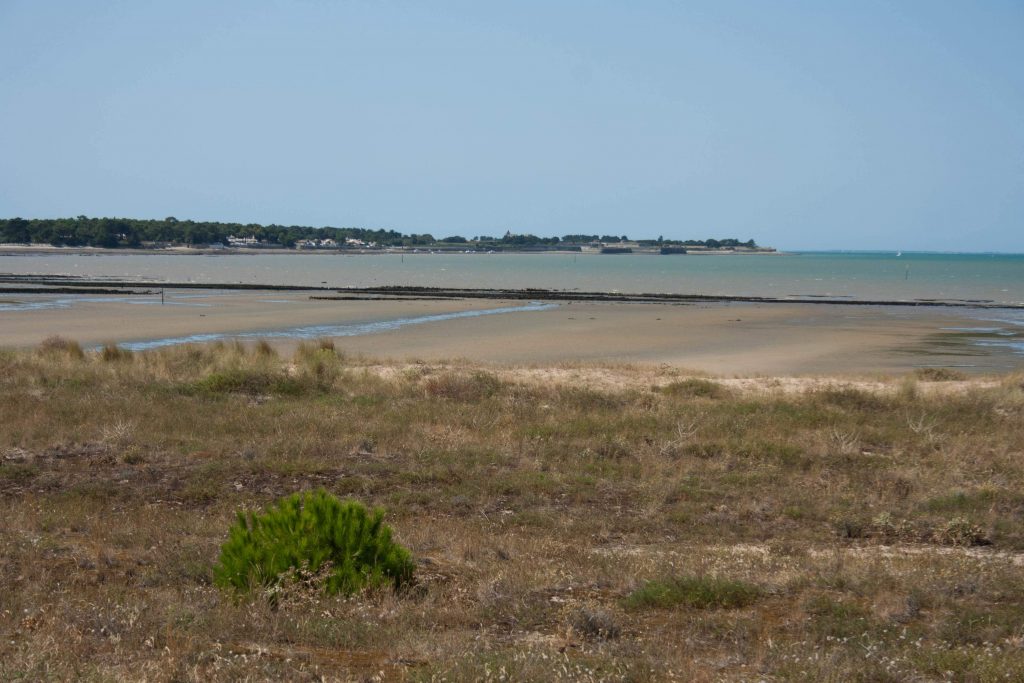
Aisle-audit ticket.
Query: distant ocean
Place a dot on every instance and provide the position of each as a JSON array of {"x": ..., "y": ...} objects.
[{"x": 995, "y": 278}]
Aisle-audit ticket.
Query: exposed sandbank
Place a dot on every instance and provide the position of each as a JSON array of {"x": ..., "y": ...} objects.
[
  {"x": 722, "y": 339},
  {"x": 97, "y": 320},
  {"x": 719, "y": 338}
]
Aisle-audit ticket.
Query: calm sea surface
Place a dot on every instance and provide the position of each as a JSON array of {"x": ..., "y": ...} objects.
[{"x": 972, "y": 277}]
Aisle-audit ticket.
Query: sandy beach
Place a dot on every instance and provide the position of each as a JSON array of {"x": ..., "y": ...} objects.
[
  {"x": 724, "y": 339},
  {"x": 721, "y": 339},
  {"x": 93, "y": 320}
]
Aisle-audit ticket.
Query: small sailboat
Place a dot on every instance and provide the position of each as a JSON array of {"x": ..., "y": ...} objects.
[{"x": 899, "y": 253}]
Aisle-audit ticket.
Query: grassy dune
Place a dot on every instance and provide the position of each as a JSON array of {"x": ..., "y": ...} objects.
[{"x": 674, "y": 528}]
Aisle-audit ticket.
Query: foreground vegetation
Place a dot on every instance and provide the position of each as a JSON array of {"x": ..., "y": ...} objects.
[
  {"x": 315, "y": 533},
  {"x": 675, "y": 530}
]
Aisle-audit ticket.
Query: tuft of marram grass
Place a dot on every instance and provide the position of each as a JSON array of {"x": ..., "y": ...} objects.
[
  {"x": 939, "y": 375},
  {"x": 61, "y": 346},
  {"x": 112, "y": 353},
  {"x": 456, "y": 386},
  {"x": 696, "y": 387},
  {"x": 263, "y": 348}
]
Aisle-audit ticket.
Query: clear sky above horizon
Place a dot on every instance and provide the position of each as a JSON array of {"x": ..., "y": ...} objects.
[{"x": 805, "y": 125}]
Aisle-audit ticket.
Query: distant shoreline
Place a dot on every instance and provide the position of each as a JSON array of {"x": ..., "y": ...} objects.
[
  {"x": 10, "y": 249},
  {"x": 50, "y": 250}
]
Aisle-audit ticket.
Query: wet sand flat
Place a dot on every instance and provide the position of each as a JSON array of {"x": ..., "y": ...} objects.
[
  {"x": 97, "y": 320},
  {"x": 725, "y": 339}
]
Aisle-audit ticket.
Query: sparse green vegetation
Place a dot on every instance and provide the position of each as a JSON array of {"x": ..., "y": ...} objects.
[
  {"x": 313, "y": 532},
  {"x": 700, "y": 592},
  {"x": 623, "y": 533},
  {"x": 695, "y": 387},
  {"x": 939, "y": 375},
  {"x": 458, "y": 387}
]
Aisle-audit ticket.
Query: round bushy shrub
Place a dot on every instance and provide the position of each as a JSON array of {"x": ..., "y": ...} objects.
[{"x": 308, "y": 532}]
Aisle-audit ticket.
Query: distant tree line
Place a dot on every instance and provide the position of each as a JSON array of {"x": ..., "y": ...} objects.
[
  {"x": 133, "y": 232},
  {"x": 111, "y": 233}
]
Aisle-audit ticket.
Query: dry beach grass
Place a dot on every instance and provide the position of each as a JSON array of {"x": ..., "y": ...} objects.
[{"x": 569, "y": 523}]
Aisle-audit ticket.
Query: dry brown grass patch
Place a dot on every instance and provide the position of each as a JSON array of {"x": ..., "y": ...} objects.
[{"x": 534, "y": 505}]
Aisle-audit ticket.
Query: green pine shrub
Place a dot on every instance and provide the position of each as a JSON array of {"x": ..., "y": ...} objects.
[{"x": 307, "y": 533}]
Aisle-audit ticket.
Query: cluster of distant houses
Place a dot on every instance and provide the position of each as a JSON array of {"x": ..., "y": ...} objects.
[
  {"x": 328, "y": 243},
  {"x": 349, "y": 243},
  {"x": 601, "y": 247}
]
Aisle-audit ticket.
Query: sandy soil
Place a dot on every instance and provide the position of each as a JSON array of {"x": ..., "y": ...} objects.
[{"x": 722, "y": 339}]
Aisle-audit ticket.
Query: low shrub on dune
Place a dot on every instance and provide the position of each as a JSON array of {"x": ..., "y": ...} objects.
[{"x": 313, "y": 532}]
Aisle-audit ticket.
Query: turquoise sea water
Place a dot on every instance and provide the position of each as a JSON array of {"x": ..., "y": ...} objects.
[{"x": 864, "y": 276}]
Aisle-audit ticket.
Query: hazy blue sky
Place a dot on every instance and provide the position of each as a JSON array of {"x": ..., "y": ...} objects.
[{"x": 801, "y": 124}]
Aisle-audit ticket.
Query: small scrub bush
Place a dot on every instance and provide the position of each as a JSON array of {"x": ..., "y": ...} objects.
[
  {"x": 786, "y": 454},
  {"x": 832, "y": 618},
  {"x": 61, "y": 346},
  {"x": 18, "y": 473},
  {"x": 960, "y": 531},
  {"x": 848, "y": 398},
  {"x": 796, "y": 512},
  {"x": 264, "y": 349},
  {"x": 595, "y": 623},
  {"x": 247, "y": 381},
  {"x": 201, "y": 489},
  {"x": 319, "y": 365},
  {"x": 309, "y": 532},
  {"x": 907, "y": 390},
  {"x": 979, "y": 625},
  {"x": 699, "y": 592},
  {"x": 579, "y": 398},
  {"x": 323, "y": 347},
  {"x": 467, "y": 388},
  {"x": 939, "y": 375},
  {"x": 852, "y": 527},
  {"x": 111, "y": 353},
  {"x": 696, "y": 388},
  {"x": 957, "y": 501},
  {"x": 888, "y": 527},
  {"x": 705, "y": 450}
]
